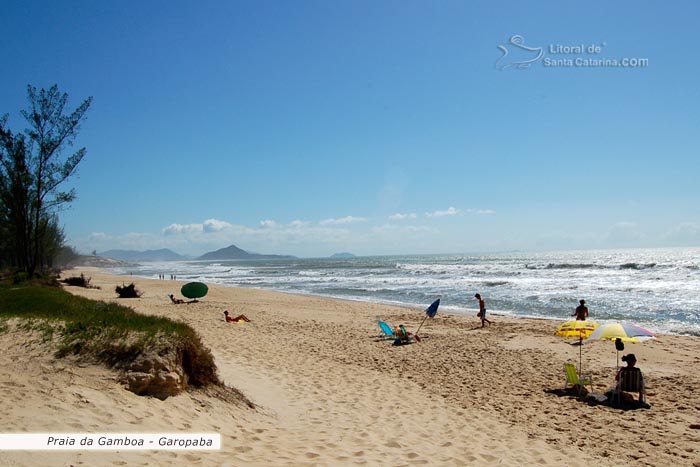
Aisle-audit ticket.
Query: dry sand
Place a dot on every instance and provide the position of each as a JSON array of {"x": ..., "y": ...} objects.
[{"x": 329, "y": 391}]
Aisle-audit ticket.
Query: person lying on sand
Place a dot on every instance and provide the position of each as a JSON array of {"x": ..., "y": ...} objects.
[
  {"x": 176, "y": 301},
  {"x": 237, "y": 319}
]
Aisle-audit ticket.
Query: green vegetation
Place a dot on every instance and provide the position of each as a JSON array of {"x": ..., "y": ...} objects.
[
  {"x": 107, "y": 332},
  {"x": 33, "y": 167}
]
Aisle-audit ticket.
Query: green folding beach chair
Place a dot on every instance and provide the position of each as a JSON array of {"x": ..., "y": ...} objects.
[{"x": 573, "y": 378}]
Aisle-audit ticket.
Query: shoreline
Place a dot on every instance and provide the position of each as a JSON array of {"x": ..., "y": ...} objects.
[
  {"x": 330, "y": 391},
  {"x": 411, "y": 306}
]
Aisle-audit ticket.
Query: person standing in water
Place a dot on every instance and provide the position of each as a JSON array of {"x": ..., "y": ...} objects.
[
  {"x": 482, "y": 310},
  {"x": 581, "y": 312}
]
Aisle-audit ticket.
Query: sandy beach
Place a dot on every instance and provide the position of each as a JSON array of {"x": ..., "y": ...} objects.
[{"x": 330, "y": 391}]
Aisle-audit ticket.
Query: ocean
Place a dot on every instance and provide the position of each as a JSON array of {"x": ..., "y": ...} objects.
[{"x": 656, "y": 288}]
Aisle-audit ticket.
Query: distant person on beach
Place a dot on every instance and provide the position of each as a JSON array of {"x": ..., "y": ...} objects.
[
  {"x": 482, "y": 310},
  {"x": 237, "y": 319},
  {"x": 630, "y": 377},
  {"x": 581, "y": 312}
]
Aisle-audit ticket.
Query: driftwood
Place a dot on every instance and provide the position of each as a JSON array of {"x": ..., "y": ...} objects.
[{"x": 128, "y": 291}]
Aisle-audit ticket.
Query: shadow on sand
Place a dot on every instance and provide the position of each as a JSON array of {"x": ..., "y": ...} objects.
[{"x": 592, "y": 399}]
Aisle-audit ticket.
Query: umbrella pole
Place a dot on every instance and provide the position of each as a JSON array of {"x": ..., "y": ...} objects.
[
  {"x": 421, "y": 325},
  {"x": 580, "y": 355}
]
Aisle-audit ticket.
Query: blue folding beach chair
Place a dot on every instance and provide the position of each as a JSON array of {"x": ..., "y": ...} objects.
[{"x": 386, "y": 329}]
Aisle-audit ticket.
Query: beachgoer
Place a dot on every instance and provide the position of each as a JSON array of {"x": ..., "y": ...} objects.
[
  {"x": 230, "y": 319},
  {"x": 401, "y": 332},
  {"x": 581, "y": 312},
  {"x": 176, "y": 301},
  {"x": 402, "y": 335},
  {"x": 482, "y": 310},
  {"x": 630, "y": 377}
]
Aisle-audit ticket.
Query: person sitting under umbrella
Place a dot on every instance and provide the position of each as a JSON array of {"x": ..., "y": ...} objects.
[
  {"x": 630, "y": 377},
  {"x": 237, "y": 319},
  {"x": 176, "y": 301}
]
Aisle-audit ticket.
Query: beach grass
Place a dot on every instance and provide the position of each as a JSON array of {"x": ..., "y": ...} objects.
[{"x": 107, "y": 332}]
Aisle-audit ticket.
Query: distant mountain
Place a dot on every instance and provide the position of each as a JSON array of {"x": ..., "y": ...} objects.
[
  {"x": 342, "y": 255},
  {"x": 148, "y": 255},
  {"x": 95, "y": 261},
  {"x": 233, "y": 252}
]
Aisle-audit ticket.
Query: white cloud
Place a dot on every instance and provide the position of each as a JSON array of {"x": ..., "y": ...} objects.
[
  {"x": 130, "y": 241},
  {"x": 399, "y": 216},
  {"x": 624, "y": 234},
  {"x": 410, "y": 229},
  {"x": 451, "y": 211},
  {"x": 215, "y": 225},
  {"x": 270, "y": 237},
  {"x": 179, "y": 229},
  {"x": 342, "y": 221},
  {"x": 685, "y": 233},
  {"x": 484, "y": 212},
  {"x": 298, "y": 237},
  {"x": 209, "y": 226}
]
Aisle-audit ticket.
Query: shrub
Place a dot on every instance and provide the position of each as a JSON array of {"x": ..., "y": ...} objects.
[
  {"x": 109, "y": 332},
  {"x": 197, "y": 360},
  {"x": 20, "y": 277},
  {"x": 128, "y": 291}
]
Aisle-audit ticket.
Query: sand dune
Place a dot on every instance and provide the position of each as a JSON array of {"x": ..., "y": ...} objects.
[{"x": 330, "y": 391}]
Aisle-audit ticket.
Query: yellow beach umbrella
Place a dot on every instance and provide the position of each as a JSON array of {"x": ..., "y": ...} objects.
[{"x": 580, "y": 329}]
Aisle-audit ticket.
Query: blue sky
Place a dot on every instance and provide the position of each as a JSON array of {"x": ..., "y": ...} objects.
[{"x": 375, "y": 127}]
